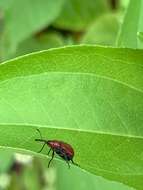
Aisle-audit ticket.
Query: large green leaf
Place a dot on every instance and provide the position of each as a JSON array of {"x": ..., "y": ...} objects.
[
  {"x": 132, "y": 25},
  {"x": 88, "y": 96}
]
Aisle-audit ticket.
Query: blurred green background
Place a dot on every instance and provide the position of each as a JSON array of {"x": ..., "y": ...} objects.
[{"x": 31, "y": 25}]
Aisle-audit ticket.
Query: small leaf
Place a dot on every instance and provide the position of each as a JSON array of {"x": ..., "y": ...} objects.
[
  {"x": 38, "y": 43},
  {"x": 76, "y": 15},
  {"x": 103, "y": 31},
  {"x": 6, "y": 160}
]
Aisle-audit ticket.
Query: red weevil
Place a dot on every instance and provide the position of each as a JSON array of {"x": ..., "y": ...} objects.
[{"x": 64, "y": 150}]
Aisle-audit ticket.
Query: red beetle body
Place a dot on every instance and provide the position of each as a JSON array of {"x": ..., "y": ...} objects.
[{"x": 61, "y": 148}]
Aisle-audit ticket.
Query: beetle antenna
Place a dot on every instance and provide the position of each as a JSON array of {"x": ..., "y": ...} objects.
[
  {"x": 39, "y": 133},
  {"x": 41, "y": 139}
]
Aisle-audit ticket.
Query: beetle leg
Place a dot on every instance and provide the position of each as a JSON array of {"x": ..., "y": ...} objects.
[
  {"x": 68, "y": 163},
  {"x": 74, "y": 163},
  {"x": 41, "y": 148},
  {"x": 51, "y": 159},
  {"x": 49, "y": 151}
]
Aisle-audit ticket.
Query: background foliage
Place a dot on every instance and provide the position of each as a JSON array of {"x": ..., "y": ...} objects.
[{"x": 89, "y": 96}]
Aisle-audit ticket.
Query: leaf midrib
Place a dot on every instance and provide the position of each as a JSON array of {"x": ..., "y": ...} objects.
[{"x": 72, "y": 129}]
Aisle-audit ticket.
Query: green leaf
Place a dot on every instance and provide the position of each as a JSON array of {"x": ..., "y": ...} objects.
[
  {"x": 124, "y": 3},
  {"x": 41, "y": 42},
  {"x": 6, "y": 160},
  {"x": 80, "y": 180},
  {"x": 5, "y": 4},
  {"x": 35, "y": 15},
  {"x": 88, "y": 96},
  {"x": 77, "y": 15},
  {"x": 103, "y": 31},
  {"x": 132, "y": 24},
  {"x": 140, "y": 37}
]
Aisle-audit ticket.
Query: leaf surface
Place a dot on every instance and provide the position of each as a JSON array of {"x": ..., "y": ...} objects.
[{"x": 88, "y": 96}]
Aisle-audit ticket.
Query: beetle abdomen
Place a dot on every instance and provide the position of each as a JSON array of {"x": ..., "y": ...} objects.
[
  {"x": 62, "y": 148},
  {"x": 63, "y": 154}
]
